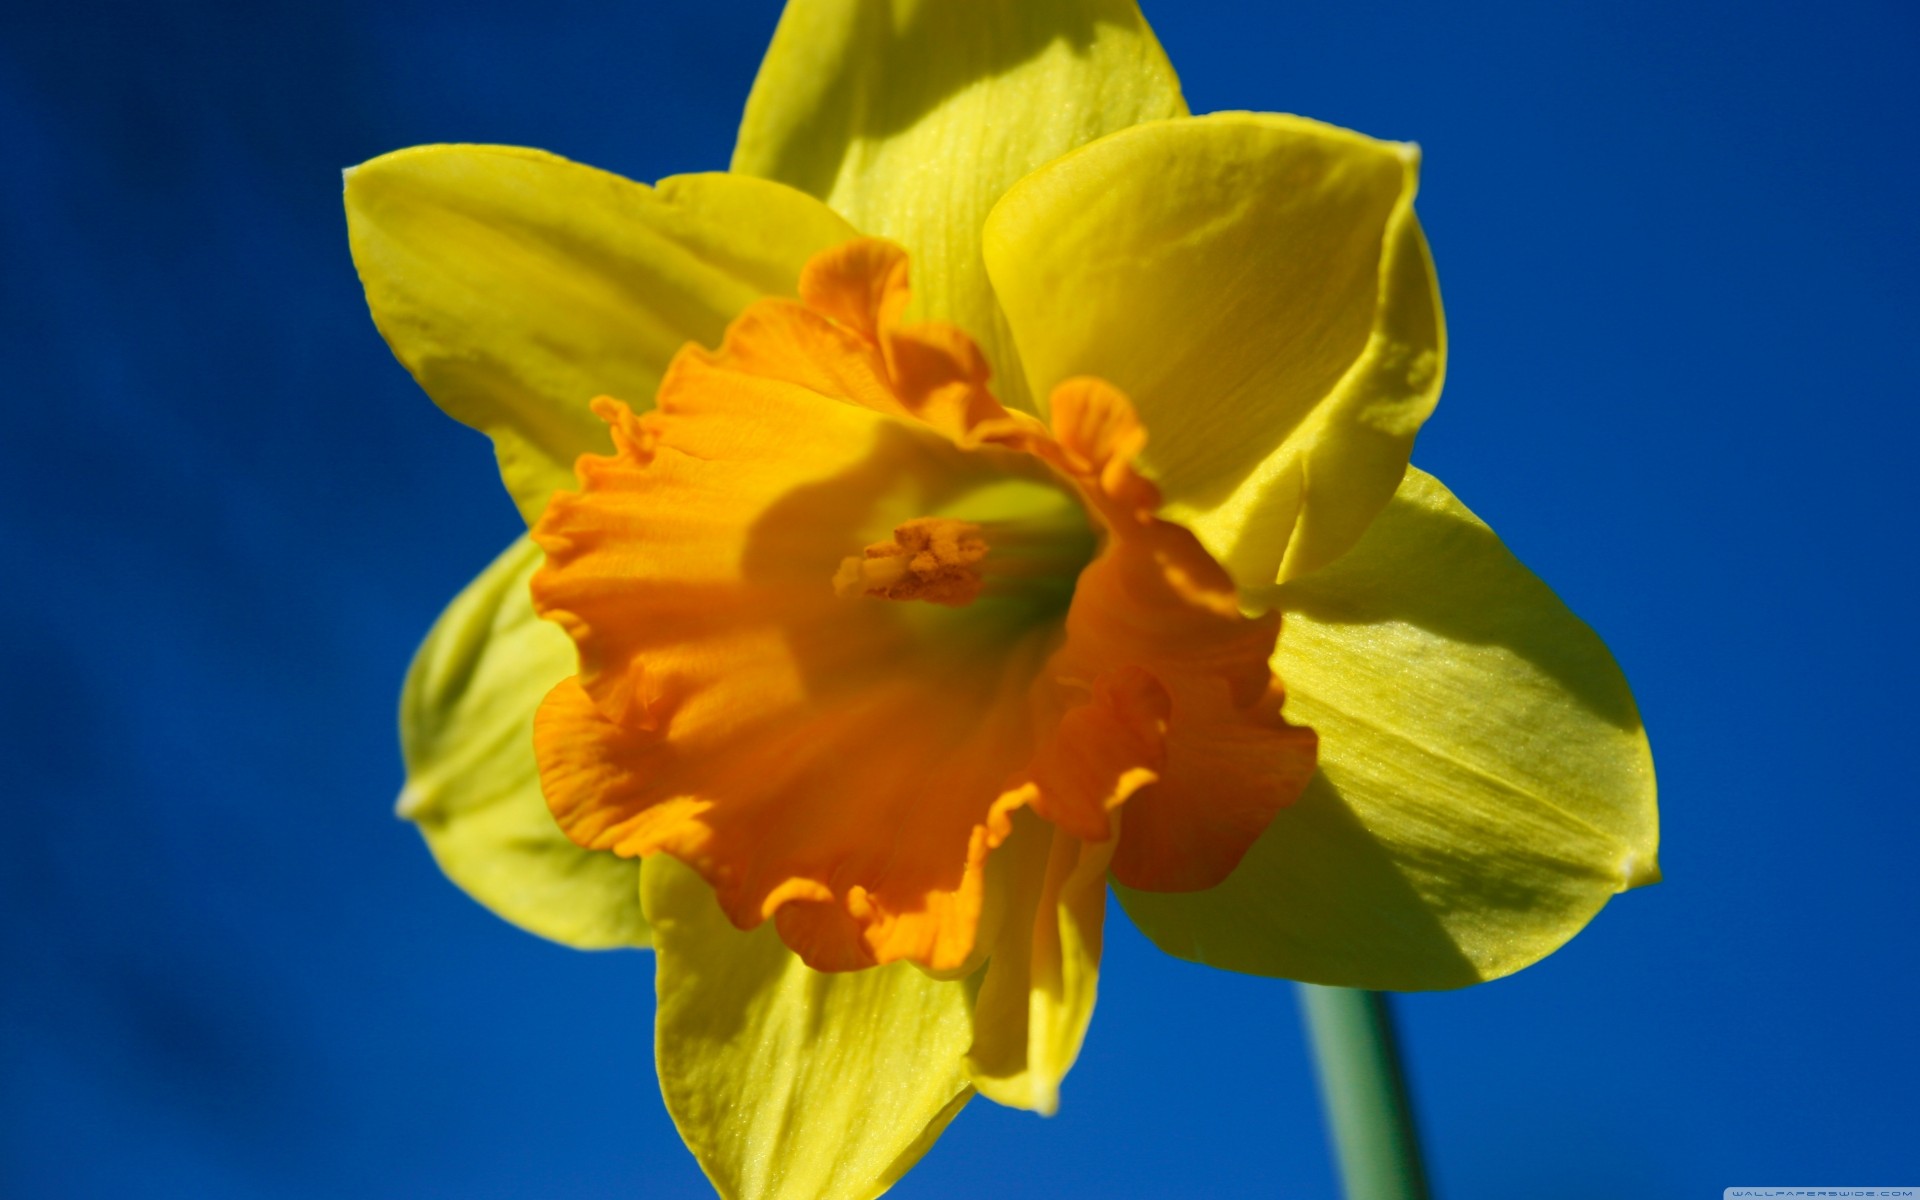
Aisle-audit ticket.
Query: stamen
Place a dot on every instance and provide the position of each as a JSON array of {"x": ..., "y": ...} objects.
[
  {"x": 936, "y": 559},
  {"x": 1017, "y": 544}
]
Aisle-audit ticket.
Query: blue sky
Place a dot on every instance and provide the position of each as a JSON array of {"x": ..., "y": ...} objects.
[{"x": 1682, "y": 285}]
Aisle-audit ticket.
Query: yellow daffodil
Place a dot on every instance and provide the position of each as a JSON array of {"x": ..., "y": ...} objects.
[{"x": 993, "y": 488}]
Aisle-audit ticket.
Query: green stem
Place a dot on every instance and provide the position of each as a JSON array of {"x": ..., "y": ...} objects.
[{"x": 1368, "y": 1115}]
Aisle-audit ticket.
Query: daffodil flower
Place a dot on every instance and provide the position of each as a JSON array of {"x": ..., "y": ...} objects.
[{"x": 992, "y": 491}]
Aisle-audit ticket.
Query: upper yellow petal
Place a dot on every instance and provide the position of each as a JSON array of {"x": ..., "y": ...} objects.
[
  {"x": 911, "y": 117},
  {"x": 466, "y": 732},
  {"x": 1485, "y": 782},
  {"x": 1260, "y": 287},
  {"x": 517, "y": 286},
  {"x": 788, "y": 1084}
]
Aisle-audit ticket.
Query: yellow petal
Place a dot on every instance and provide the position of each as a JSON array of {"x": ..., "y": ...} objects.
[
  {"x": 1259, "y": 286},
  {"x": 466, "y": 731},
  {"x": 1037, "y": 995},
  {"x": 911, "y": 117},
  {"x": 1485, "y": 783},
  {"x": 788, "y": 1083},
  {"x": 517, "y": 286}
]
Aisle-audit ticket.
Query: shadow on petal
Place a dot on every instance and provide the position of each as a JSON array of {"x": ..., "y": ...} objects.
[
  {"x": 1318, "y": 898},
  {"x": 1443, "y": 570}
]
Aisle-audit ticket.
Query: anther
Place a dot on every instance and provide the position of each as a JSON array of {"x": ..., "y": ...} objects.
[{"x": 936, "y": 559}]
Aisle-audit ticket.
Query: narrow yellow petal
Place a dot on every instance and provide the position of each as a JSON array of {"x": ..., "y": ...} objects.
[
  {"x": 1485, "y": 783},
  {"x": 911, "y": 117},
  {"x": 517, "y": 286},
  {"x": 1259, "y": 286},
  {"x": 466, "y": 731},
  {"x": 1037, "y": 995},
  {"x": 789, "y": 1084}
]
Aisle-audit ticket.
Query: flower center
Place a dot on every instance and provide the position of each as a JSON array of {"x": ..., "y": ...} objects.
[
  {"x": 936, "y": 559},
  {"x": 1004, "y": 542}
]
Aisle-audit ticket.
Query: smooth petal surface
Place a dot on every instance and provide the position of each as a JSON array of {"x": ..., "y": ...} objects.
[
  {"x": 1036, "y": 998},
  {"x": 911, "y": 117},
  {"x": 516, "y": 286},
  {"x": 1485, "y": 783},
  {"x": 466, "y": 731},
  {"x": 1259, "y": 286},
  {"x": 788, "y": 1083}
]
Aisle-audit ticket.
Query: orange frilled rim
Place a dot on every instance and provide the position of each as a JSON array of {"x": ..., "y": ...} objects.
[{"x": 805, "y": 672}]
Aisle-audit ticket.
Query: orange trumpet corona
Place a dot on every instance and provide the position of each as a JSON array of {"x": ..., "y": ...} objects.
[{"x": 749, "y": 703}]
